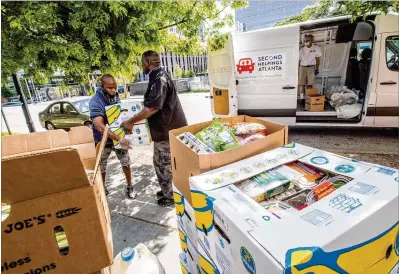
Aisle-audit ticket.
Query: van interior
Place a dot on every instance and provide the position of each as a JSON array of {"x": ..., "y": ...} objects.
[{"x": 346, "y": 55}]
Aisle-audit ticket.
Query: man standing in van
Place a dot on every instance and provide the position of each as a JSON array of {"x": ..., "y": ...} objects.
[
  {"x": 309, "y": 61},
  {"x": 164, "y": 112}
]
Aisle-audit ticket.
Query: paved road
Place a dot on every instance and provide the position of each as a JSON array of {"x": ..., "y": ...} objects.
[{"x": 143, "y": 221}]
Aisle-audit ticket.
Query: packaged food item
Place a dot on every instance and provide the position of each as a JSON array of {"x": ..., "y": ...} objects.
[
  {"x": 320, "y": 191},
  {"x": 265, "y": 185},
  {"x": 298, "y": 201},
  {"x": 245, "y": 139},
  {"x": 285, "y": 195},
  {"x": 218, "y": 137},
  {"x": 337, "y": 181},
  {"x": 192, "y": 142},
  {"x": 245, "y": 128},
  {"x": 310, "y": 175},
  {"x": 253, "y": 189},
  {"x": 278, "y": 209}
]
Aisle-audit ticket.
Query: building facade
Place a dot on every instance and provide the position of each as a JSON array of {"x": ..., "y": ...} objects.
[{"x": 263, "y": 14}]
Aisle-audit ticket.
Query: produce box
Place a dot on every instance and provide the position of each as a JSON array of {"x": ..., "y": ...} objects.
[
  {"x": 352, "y": 229},
  {"x": 126, "y": 109},
  {"x": 55, "y": 215},
  {"x": 140, "y": 135},
  {"x": 314, "y": 101},
  {"x": 118, "y": 113},
  {"x": 185, "y": 215},
  {"x": 186, "y": 162},
  {"x": 189, "y": 249}
]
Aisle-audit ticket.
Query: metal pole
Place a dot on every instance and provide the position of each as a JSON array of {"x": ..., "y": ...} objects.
[
  {"x": 38, "y": 98},
  {"x": 5, "y": 121},
  {"x": 30, "y": 94},
  {"x": 25, "y": 109}
]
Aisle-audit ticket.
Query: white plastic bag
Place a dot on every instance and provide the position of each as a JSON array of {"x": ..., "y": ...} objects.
[
  {"x": 136, "y": 260},
  {"x": 343, "y": 98},
  {"x": 348, "y": 111}
]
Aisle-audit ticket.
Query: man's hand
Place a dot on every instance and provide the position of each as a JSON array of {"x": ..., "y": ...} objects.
[
  {"x": 125, "y": 144},
  {"x": 127, "y": 126}
]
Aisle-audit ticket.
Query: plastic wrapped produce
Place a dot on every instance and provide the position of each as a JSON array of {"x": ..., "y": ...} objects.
[
  {"x": 247, "y": 128},
  {"x": 218, "y": 137},
  {"x": 245, "y": 139}
]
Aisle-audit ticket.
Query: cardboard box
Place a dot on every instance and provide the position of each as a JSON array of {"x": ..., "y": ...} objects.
[
  {"x": 185, "y": 215},
  {"x": 186, "y": 163},
  {"x": 126, "y": 109},
  {"x": 189, "y": 248},
  {"x": 206, "y": 264},
  {"x": 58, "y": 219},
  {"x": 352, "y": 230},
  {"x": 118, "y": 113},
  {"x": 106, "y": 270},
  {"x": 314, "y": 101},
  {"x": 140, "y": 135}
]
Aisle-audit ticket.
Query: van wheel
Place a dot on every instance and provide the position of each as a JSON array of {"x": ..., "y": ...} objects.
[
  {"x": 88, "y": 124},
  {"x": 49, "y": 126}
]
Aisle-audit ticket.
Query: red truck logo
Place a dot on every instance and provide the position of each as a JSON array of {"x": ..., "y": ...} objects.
[{"x": 245, "y": 64}]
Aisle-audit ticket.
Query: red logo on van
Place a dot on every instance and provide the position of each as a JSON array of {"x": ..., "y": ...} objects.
[{"x": 245, "y": 64}]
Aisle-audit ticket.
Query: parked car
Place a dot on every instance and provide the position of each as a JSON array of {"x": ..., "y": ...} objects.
[{"x": 66, "y": 113}]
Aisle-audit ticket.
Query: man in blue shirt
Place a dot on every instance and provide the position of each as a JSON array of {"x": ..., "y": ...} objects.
[{"x": 107, "y": 95}]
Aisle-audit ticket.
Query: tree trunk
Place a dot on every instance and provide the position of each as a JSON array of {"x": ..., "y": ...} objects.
[{"x": 25, "y": 109}]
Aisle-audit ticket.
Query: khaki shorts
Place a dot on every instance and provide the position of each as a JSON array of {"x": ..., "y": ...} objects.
[
  {"x": 306, "y": 76},
  {"x": 121, "y": 154}
]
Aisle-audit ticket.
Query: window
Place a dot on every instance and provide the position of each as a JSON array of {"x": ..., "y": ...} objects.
[
  {"x": 392, "y": 52},
  {"x": 67, "y": 108},
  {"x": 82, "y": 105},
  {"x": 55, "y": 109}
]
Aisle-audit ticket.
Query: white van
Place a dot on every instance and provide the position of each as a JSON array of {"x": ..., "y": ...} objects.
[{"x": 243, "y": 83}]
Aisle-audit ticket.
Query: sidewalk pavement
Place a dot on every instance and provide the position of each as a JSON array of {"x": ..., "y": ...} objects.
[{"x": 142, "y": 220}]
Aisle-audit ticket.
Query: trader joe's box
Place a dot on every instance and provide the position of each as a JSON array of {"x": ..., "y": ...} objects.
[
  {"x": 58, "y": 218},
  {"x": 186, "y": 162},
  {"x": 355, "y": 229}
]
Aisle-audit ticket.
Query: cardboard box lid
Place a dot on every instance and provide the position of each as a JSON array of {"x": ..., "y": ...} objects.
[
  {"x": 250, "y": 167},
  {"x": 44, "y": 163}
]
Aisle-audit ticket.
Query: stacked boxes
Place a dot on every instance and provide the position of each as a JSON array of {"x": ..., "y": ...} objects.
[
  {"x": 193, "y": 217},
  {"x": 119, "y": 113},
  {"x": 354, "y": 229}
]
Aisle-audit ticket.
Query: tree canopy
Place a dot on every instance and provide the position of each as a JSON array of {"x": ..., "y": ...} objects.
[
  {"x": 330, "y": 8},
  {"x": 80, "y": 37}
]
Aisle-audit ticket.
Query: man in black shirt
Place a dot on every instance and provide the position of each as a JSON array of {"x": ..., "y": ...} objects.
[{"x": 164, "y": 112}]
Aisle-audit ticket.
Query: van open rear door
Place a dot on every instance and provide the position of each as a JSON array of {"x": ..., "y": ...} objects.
[
  {"x": 222, "y": 80},
  {"x": 267, "y": 73}
]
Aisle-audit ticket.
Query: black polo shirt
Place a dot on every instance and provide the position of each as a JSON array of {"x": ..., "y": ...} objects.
[{"x": 162, "y": 95}]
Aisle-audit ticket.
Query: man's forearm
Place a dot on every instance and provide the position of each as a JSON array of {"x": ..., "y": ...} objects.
[
  {"x": 317, "y": 62},
  {"x": 111, "y": 135},
  {"x": 144, "y": 114}
]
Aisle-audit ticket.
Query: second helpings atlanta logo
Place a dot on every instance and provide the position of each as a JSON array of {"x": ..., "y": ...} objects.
[{"x": 247, "y": 260}]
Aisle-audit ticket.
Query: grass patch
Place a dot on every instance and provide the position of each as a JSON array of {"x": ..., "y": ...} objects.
[{"x": 6, "y": 134}]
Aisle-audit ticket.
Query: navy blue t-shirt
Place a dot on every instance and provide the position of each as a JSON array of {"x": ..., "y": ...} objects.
[{"x": 97, "y": 108}]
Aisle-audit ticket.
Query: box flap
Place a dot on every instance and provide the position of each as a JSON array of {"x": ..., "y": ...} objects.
[
  {"x": 44, "y": 163},
  {"x": 250, "y": 167},
  {"x": 32, "y": 175}
]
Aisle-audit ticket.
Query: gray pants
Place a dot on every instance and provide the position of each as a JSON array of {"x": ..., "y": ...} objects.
[{"x": 163, "y": 169}]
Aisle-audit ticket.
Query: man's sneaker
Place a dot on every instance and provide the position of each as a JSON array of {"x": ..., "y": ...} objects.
[
  {"x": 160, "y": 194},
  {"x": 130, "y": 192},
  {"x": 164, "y": 202}
]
